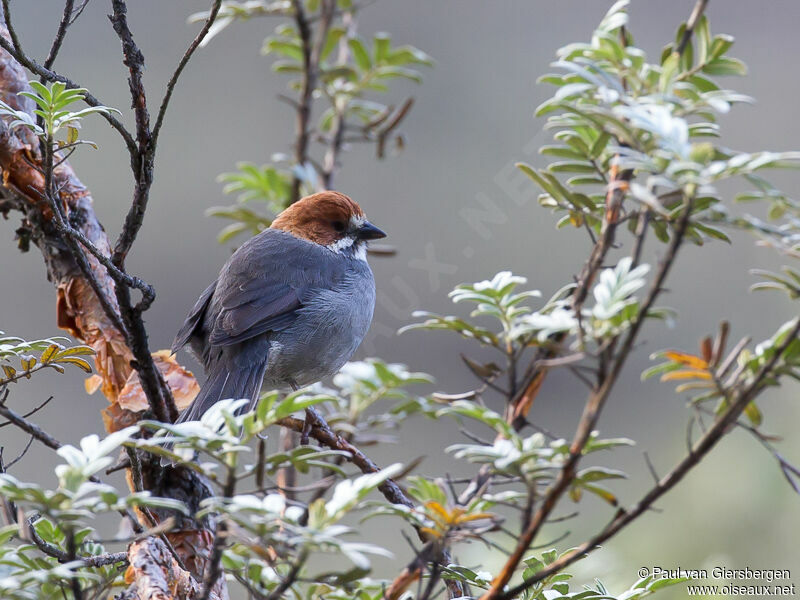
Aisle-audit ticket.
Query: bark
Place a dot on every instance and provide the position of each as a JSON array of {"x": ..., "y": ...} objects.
[
  {"x": 80, "y": 312},
  {"x": 155, "y": 575}
]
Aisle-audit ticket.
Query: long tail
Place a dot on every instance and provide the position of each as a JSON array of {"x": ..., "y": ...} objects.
[{"x": 222, "y": 384}]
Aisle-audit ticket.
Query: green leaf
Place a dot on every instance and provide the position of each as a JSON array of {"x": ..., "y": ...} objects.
[
  {"x": 753, "y": 414},
  {"x": 334, "y": 36},
  {"x": 360, "y": 54},
  {"x": 381, "y": 43},
  {"x": 725, "y": 66}
]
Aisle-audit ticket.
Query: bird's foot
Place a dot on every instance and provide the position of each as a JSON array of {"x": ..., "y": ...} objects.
[{"x": 307, "y": 425}]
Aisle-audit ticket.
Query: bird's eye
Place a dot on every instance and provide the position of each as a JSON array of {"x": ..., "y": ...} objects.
[{"x": 338, "y": 226}]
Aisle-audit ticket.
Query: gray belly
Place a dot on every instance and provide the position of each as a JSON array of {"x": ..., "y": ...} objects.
[{"x": 327, "y": 332}]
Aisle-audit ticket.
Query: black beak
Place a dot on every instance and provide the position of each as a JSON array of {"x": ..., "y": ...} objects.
[{"x": 368, "y": 231}]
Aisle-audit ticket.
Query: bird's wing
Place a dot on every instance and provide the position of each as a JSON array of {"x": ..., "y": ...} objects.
[
  {"x": 194, "y": 319},
  {"x": 265, "y": 283}
]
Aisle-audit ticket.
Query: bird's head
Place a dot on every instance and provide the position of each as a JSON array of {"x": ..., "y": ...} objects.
[{"x": 329, "y": 219}]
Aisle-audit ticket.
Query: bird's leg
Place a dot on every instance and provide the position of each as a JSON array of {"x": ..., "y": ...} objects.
[{"x": 309, "y": 422}]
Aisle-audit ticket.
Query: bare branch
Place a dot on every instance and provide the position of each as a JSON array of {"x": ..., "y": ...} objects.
[
  {"x": 49, "y": 75},
  {"x": 58, "y": 40},
  {"x": 591, "y": 413},
  {"x": 697, "y": 12},
  {"x": 95, "y": 560},
  {"x": 700, "y": 449},
  {"x": 173, "y": 80},
  {"x": 213, "y": 567},
  {"x": 28, "y": 427}
]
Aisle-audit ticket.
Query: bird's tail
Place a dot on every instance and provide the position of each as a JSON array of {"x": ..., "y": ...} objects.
[{"x": 223, "y": 384}]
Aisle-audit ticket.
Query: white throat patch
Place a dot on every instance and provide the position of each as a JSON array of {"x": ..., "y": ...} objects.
[
  {"x": 360, "y": 250},
  {"x": 342, "y": 244}
]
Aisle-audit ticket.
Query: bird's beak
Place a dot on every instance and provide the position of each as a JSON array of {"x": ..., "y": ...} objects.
[{"x": 368, "y": 231}]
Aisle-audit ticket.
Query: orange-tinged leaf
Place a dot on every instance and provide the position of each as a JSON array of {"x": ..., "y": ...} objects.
[
  {"x": 475, "y": 517},
  {"x": 439, "y": 510},
  {"x": 77, "y": 351},
  {"x": 49, "y": 353},
  {"x": 92, "y": 384},
  {"x": 9, "y": 371},
  {"x": 78, "y": 362},
  {"x": 695, "y": 385},
  {"x": 431, "y": 532},
  {"x": 180, "y": 380},
  {"x": 690, "y": 360},
  {"x": 686, "y": 374},
  {"x": 602, "y": 493},
  {"x": 116, "y": 418}
]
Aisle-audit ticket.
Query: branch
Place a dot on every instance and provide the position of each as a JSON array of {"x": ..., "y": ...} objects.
[
  {"x": 322, "y": 432},
  {"x": 411, "y": 573},
  {"x": 58, "y": 40},
  {"x": 158, "y": 395},
  {"x": 157, "y": 575},
  {"x": 290, "y": 578},
  {"x": 98, "y": 560},
  {"x": 213, "y": 568},
  {"x": 28, "y": 427},
  {"x": 697, "y": 12},
  {"x": 25, "y": 178},
  {"x": 162, "y": 110},
  {"x": 48, "y": 75},
  {"x": 591, "y": 413},
  {"x": 703, "y": 446},
  {"x": 133, "y": 59},
  {"x": 306, "y": 95},
  {"x": 80, "y": 293},
  {"x": 312, "y": 49},
  {"x": 119, "y": 277}
]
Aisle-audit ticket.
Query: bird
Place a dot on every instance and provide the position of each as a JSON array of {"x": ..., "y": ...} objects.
[{"x": 289, "y": 307}]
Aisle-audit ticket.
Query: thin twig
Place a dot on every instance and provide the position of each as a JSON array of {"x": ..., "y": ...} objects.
[
  {"x": 30, "y": 428},
  {"x": 703, "y": 446},
  {"x": 213, "y": 568},
  {"x": 98, "y": 560},
  {"x": 22, "y": 454},
  {"x": 58, "y": 40},
  {"x": 290, "y": 578},
  {"x": 31, "y": 412},
  {"x": 697, "y": 12},
  {"x": 591, "y": 413},
  {"x": 322, "y": 432},
  {"x": 173, "y": 80},
  {"x": 50, "y": 75}
]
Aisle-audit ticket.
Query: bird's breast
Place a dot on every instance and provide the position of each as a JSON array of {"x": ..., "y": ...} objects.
[{"x": 329, "y": 328}]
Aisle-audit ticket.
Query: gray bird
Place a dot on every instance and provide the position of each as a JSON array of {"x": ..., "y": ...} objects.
[{"x": 290, "y": 306}]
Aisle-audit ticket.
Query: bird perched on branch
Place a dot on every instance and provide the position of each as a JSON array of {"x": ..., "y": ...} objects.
[{"x": 289, "y": 307}]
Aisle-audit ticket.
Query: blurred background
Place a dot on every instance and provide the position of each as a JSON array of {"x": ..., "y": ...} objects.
[{"x": 456, "y": 211}]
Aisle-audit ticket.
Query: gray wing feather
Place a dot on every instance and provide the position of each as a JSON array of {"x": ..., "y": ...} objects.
[
  {"x": 264, "y": 284},
  {"x": 194, "y": 319}
]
